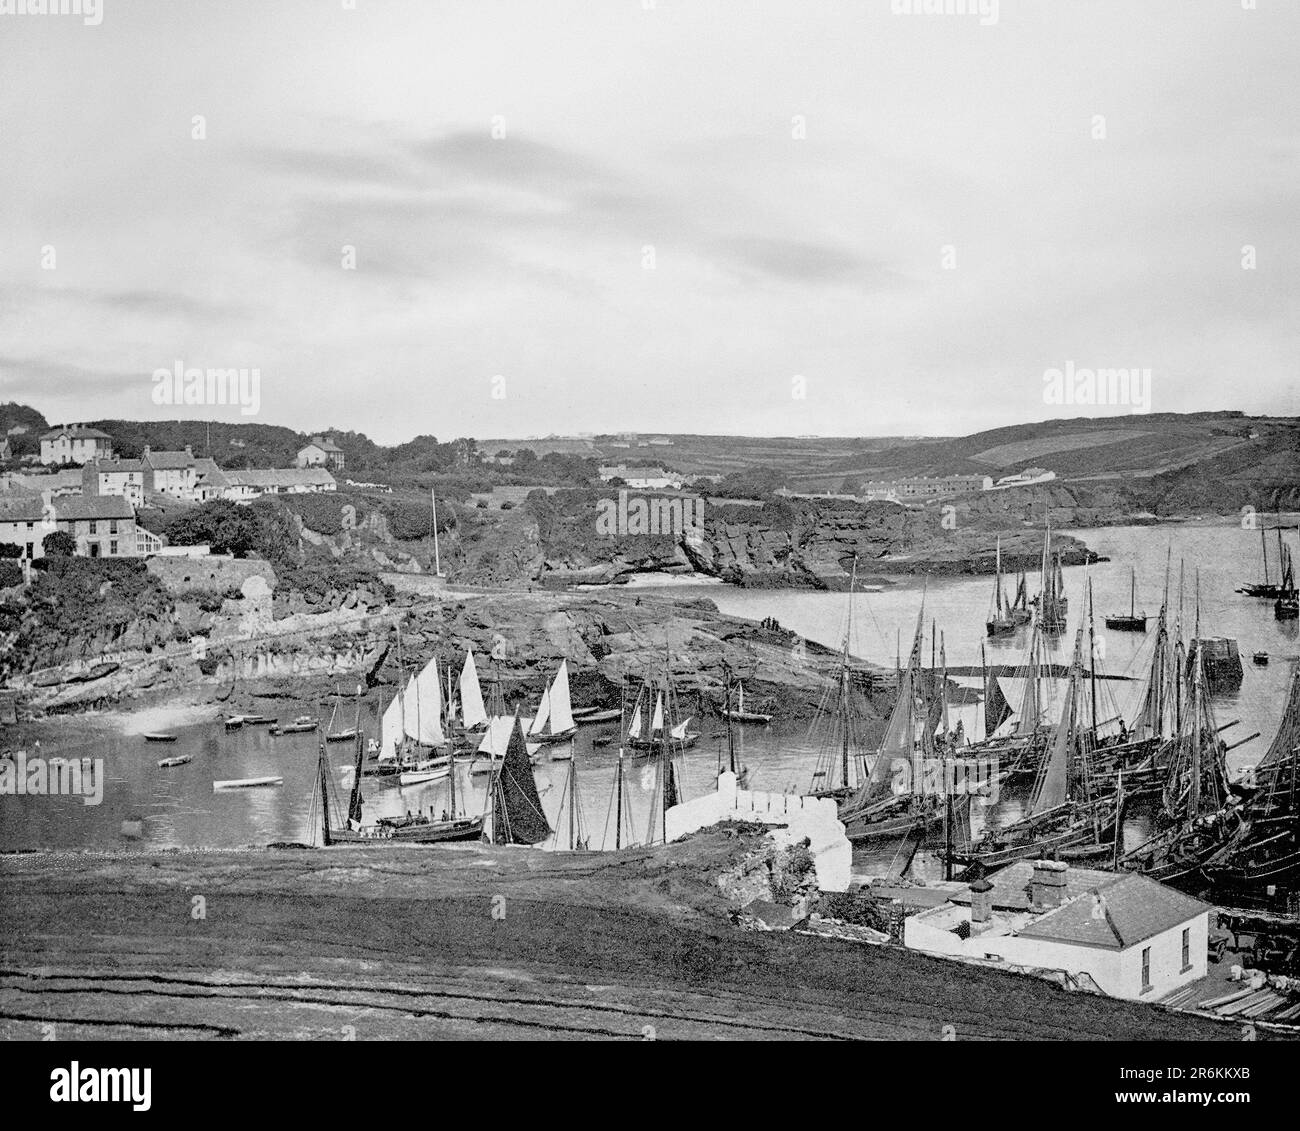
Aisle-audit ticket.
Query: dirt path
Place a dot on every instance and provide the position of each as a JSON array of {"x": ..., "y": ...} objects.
[{"x": 475, "y": 942}]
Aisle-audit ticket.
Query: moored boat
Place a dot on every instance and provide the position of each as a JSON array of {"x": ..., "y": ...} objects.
[
  {"x": 179, "y": 760},
  {"x": 246, "y": 783},
  {"x": 155, "y": 736}
]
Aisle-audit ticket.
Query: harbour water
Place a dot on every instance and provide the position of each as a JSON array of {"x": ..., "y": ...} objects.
[{"x": 179, "y": 808}]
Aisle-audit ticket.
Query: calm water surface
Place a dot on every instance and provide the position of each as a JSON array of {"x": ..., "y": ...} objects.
[{"x": 180, "y": 809}]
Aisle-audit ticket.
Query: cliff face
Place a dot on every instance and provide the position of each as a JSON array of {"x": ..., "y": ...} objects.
[{"x": 804, "y": 543}]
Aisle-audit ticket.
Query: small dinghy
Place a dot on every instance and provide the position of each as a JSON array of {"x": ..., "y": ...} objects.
[
  {"x": 341, "y": 736},
  {"x": 179, "y": 760},
  {"x": 235, "y": 722},
  {"x": 245, "y": 783},
  {"x": 1261, "y": 658},
  {"x": 296, "y": 727},
  {"x": 157, "y": 737}
]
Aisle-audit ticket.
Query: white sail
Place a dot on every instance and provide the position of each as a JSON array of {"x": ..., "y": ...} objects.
[
  {"x": 558, "y": 699},
  {"x": 411, "y": 709},
  {"x": 679, "y": 731},
  {"x": 543, "y": 715},
  {"x": 634, "y": 728},
  {"x": 657, "y": 723},
  {"x": 471, "y": 695},
  {"x": 425, "y": 723},
  {"x": 390, "y": 730},
  {"x": 497, "y": 736},
  {"x": 740, "y": 688}
]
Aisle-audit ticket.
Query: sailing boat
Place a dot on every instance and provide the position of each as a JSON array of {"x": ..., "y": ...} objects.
[
  {"x": 492, "y": 746},
  {"x": 739, "y": 714},
  {"x": 473, "y": 715},
  {"x": 571, "y": 804},
  {"x": 1287, "y": 605},
  {"x": 878, "y": 809},
  {"x": 1266, "y": 588},
  {"x": 414, "y": 828},
  {"x": 517, "y": 816},
  {"x": 1271, "y": 854},
  {"x": 422, "y": 720},
  {"x": 1001, "y": 622},
  {"x": 1053, "y": 605},
  {"x": 1131, "y": 623},
  {"x": 554, "y": 719},
  {"x": 839, "y": 774},
  {"x": 646, "y": 734},
  {"x": 332, "y": 735},
  {"x": 1063, "y": 810},
  {"x": 1208, "y": 822}
]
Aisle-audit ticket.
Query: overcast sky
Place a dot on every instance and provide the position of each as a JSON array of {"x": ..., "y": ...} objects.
[{"x": 663, "y": 124}]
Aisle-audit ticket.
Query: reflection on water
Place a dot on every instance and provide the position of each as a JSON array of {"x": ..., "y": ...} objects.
[{"x": 180, "y": 809}]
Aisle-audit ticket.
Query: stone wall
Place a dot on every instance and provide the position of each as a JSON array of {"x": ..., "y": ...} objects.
[
  {"x": 181, "y": 575},
  {"x": 813, "y": 818}
]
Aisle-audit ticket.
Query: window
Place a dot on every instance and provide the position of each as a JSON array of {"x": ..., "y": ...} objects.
[
  {"x": 1187, "y": 949},
  {"x": 1146, "y": 968},
  {"x": 112, "y": 526},
  {"x": 112, "y": 548},
  {"x": 94, "y": 527}
]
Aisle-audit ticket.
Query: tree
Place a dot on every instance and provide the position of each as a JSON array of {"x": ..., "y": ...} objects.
[
  {"x": 59, "y": 544},
  {"x": 9, "y": 550},
  {"x": 223, "y": 525}
]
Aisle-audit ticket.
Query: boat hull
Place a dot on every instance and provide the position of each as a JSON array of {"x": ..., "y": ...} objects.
[{"x": 434, "y": 832}]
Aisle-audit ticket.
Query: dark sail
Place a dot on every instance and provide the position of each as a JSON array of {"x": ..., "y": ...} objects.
[
  {"x": 996, "y": 708},
  {"x": 517, "y": 816},
  {"x": 670, "y": 788}
]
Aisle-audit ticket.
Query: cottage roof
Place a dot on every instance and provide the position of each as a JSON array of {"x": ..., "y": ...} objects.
[
  {"x": 76, "y": 432},
  {"x": 119, "y": 466},
  {"x": 168, "y": 461},
  {"x": 1119, "y": 915},
  {"x": 77, "y": 508},
  {"x": 209, "y": 474},
  {"x": 281, "y": 477},
  {"x": 324, "y": 443},
  {"x": 15, "y": 507},
  {"x": 1011, "y": 885}
]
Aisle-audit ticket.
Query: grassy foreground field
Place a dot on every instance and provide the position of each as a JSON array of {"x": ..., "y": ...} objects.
[{"x": 476, "y": 942}]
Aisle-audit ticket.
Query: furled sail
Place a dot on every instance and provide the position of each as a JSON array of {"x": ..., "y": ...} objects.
[
  {"x": 472, "y": 712},
  {"x": 517, "y": 816},
  {"x": 1052, "y": 787}
]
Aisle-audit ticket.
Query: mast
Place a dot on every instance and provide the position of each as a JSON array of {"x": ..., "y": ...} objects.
[
  {"x": 1263, "y": 545},
  {"x": 1132, "y": 593},
  {"x": 324, "y": 796},
  {"x": 1092, "y": 663},
  {"x": 984, "y": 687},
  {"x": 618, "y": 815},
  {"x": 354, "y": 801},
  {"x": 844, "y": 683}
]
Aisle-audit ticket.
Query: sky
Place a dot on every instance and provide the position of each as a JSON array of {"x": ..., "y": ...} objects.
[{"x": 822, "y": 217}]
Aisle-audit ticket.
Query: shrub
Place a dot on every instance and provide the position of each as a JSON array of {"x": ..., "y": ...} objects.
[
  {"x": 59, "y": 544},
  {"x": 9, "y": 550},
  {"x": 10, "y": 574}
]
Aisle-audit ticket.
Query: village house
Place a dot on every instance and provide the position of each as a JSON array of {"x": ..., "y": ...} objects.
[
  {"x": 1133, "y": 937},
  {"x": 170, "y": 473},
  {"x": 103, "y": 526},
  {"x": 641, "y": 478},
  {"x": 74, "y": 443},
  {"x": 125, "y": 477},
  {"x": 248, "y": 485},
  {"x": 321, "y": 451},
  {"x": 22, "y": 523},
  {"x": 210, "y": 481}
]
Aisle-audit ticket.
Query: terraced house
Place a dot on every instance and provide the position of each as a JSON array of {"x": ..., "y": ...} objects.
[
  {"x": 171, "y": 473},
  {"x": 103, "y": 526}
]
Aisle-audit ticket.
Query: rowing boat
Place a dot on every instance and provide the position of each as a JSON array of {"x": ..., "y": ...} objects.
[
  {"x": 155, "y": 737},
  {"x": 179, "y": 760},
  {"x": 245, "y": 783}
]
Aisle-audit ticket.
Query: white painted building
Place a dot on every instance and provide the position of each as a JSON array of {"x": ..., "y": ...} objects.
[
  {"x": 74, "y": 443},
  {"x": 1135, "y": 938}
]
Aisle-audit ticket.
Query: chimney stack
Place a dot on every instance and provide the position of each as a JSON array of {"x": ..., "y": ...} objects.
[
  {"x": 1047, "y": 885},
  {"x": 981, "y": 901}
]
